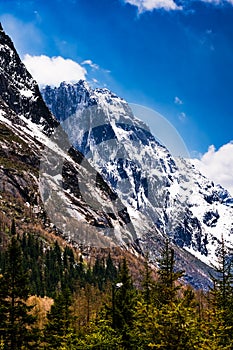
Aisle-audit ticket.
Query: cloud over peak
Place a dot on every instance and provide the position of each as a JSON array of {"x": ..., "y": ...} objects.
[
  {"x": 217, "y": 165},
  {"x": 53, "y": 70}
]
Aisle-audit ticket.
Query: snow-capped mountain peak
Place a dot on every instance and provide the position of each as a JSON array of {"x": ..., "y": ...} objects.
[
  {"x": 169, "y": 193},
  {"x": 19, "y": 90}
]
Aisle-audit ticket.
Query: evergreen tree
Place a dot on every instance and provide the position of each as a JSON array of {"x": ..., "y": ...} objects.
[
  {"x": 59, "y": 321},
  {"x": 100, "y": 336},
  {"x": 99, "y": 272},
  {"x": 123, "y": 303},
  {"x": 148, "y": 284},
  {"x": 162, "y": 319},
  {"x": 53, "y": 270},
  {"x": 16, "y": 321},
  {"x": 80, "y": 273},
  {"x": 168, "y": 277},
  {"x": 173, "y": 326},
  {"x": 111, "y": 270},
  {"x": 222, "y": 296},
  {"x": 33, "y": 261}
]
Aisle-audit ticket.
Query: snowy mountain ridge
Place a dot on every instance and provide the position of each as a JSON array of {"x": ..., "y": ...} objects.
[
  {"x": 39, "y": 166},
  {"x": 157, "y": 188},
  {"x": 19, "y": 90}
]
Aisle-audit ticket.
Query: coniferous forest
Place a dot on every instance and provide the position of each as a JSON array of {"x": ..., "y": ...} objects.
[{"x": 52, "y": 298}]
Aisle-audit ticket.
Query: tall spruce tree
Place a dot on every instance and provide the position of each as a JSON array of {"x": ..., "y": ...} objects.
[
  {"x": 59, "y": 321},
  {"x": 167, "y": 276},
  {"x": 222, "y": 296},
  {"x": 111, "y": 270},
  {"x": 16, "y": 321},
  {"x": 148, "y": 284},
  {"x": 123, "y": 303}
]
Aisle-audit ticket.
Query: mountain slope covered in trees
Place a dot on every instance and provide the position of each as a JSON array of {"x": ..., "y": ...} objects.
[{"x": 99, "y": 306}]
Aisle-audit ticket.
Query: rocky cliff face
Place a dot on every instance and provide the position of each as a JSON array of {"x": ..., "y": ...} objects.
[
  {"x": 43, "y": 174},
  {"x": 19, "y": 90},
  {"x": 160, "y": 192}
]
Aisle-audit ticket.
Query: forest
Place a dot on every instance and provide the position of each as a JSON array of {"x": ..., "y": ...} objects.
[{"x": 52, "y": 298}]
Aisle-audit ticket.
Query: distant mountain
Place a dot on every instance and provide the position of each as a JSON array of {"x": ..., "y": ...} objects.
[{"x": 161, "y": 193}]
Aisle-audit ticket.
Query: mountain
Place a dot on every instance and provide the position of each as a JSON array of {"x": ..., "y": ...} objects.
[
  {"x": 162, "y": 193},
  {"x": 102, "y": 192},
  {"x": 19, "y": 90},
  {"x": 41, "y": 174}
]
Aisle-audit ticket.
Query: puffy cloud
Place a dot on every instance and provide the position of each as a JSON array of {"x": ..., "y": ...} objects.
[
  {"x": 149, "y": 5},
  {"x": 53, "y": 70},
  {"x": 218, "y": 165}
]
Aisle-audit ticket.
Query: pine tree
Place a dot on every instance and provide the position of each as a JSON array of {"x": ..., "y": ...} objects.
[
  {"x": 69, "y": 276},
  {"x": 111, "y": 270},
  {"x": 53, "y": 270},
  {"x": 148, "y": 284},
  {"x": 33, "y": 261},
  {"x": 222, "y": 296},
  {"x": 59, "y": 321},
  {"x": 16, "y": 321},
  {"x": 164, "y": 320},
  {"x": 99, "y": 272},
  {"x": 100, "y": 336},
  {"x": 168, "y": 277},
  {"x": 123, "y": 303}
]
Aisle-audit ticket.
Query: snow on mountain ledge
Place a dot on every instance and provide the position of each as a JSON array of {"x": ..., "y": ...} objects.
[
  {"x": 19, "y": 90},
  {"x": 168, "y": 193}
]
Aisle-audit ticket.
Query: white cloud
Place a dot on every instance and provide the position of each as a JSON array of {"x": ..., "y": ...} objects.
[
  {"x": 168, "y": 5},
  {"x": 217, "y": 165},
  {"x": 178, "y": 101},
  {"x": 91, "y": 64},
  {"x": 150, "y": 5},
  {"x": 53, "y": 70}
]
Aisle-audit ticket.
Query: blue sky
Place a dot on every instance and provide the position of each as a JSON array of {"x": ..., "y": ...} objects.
[{"x": 173, "y": 56}]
